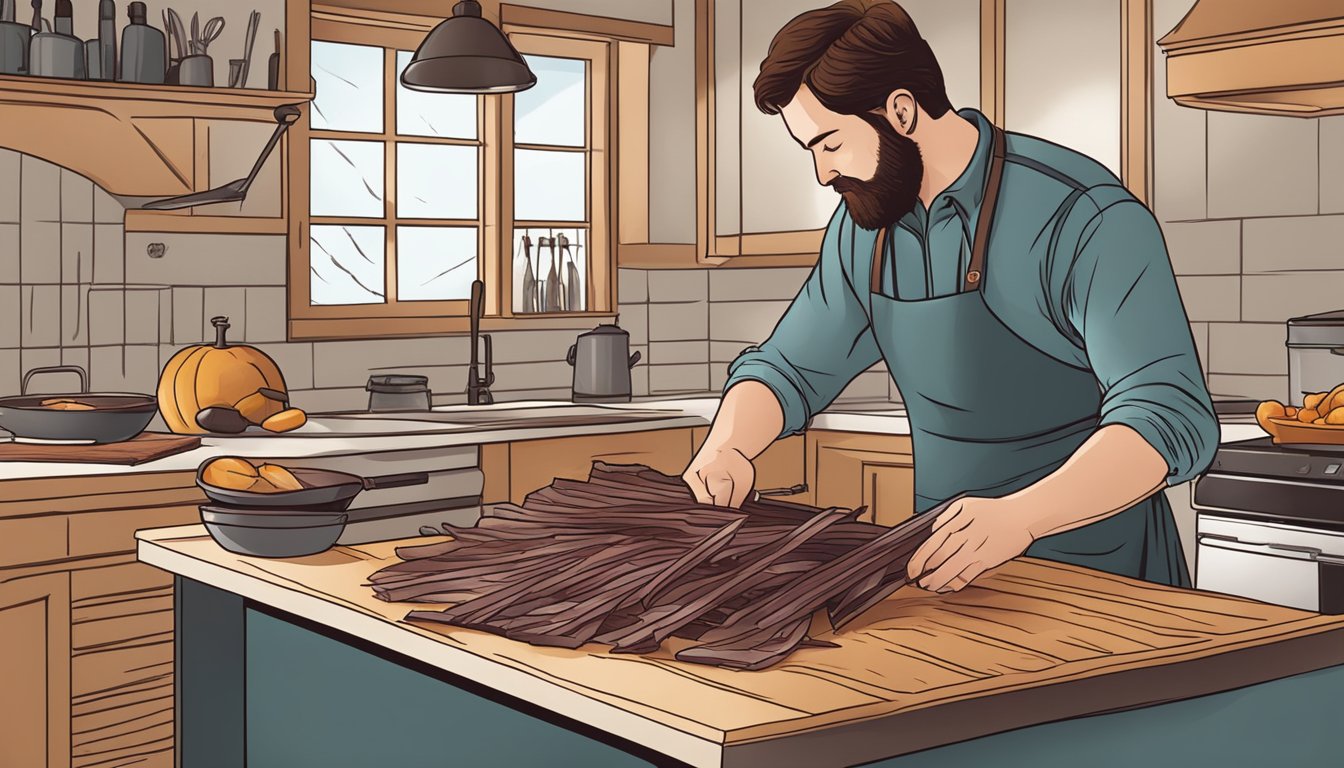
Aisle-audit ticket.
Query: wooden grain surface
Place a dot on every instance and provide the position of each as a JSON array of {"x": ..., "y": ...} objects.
[
  {"x": 146, "y": 446},
  {"x": 1069, "y": 641}
]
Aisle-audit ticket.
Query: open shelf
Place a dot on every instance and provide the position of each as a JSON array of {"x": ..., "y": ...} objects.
[{"x": 130, "y": 139}]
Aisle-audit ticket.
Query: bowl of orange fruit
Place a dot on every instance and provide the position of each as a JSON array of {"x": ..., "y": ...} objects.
[{"x": 1319, "y": 420}]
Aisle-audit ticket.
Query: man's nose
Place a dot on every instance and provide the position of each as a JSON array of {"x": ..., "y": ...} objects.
[{"x": 826, "y": 173}]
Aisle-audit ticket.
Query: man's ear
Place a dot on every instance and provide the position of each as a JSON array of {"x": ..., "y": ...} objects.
[{"x": 901, "y": 111}]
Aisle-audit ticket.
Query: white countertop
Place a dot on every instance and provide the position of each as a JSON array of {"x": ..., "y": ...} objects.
[{"x": 331, "y": 435}]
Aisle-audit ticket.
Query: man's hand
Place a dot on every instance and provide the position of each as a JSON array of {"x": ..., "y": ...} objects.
[
  {"x": 720, "y": 477},
  {"x": 970, "y": 537}
]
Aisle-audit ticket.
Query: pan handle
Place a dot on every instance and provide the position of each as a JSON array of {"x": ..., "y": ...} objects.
[
  {"x": 396, "y": 481},
  {"x": 83, "y": 376}
]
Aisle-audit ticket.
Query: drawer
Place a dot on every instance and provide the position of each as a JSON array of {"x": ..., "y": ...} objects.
[
  {"x": 113, "y": 530},
  {"x": 26, "y": 540}
]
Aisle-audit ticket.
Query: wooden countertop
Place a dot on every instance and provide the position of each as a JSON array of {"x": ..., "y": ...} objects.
[{"x": 1034, "y": 641}]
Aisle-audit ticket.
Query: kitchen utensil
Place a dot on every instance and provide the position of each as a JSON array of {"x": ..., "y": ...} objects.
[
  {"x": 398, "y": 392},
  {"x": 236, "y": 190},
  {"x": 14, "y": 38},
  {"x": 250, "y": 39},
  {"x": 93, "y": 59},
  {"x": 195, "y": 33},
  {"x": 262, "y": 533},
  {"x": 107, "y": 41},
  {"x": 478, "y": 386},
  {"x": 58, "y": 53},
  {"x": 529, "y": 303},
  {"x": 323, "y": 490},
  {"x": 602, "y": 361},
  {"x": 197, "y": 69},
  {"x": 273, "y": 66},
  {"x": 1315, "y": 353},
  {"x": 235, "y": 72},
  {"x": 573, "y": 286},
  {"x": 142, "y": 49},
  {"x": 146, "y": 446},
  {"x": 37, "y": 16},
  {"x": 112, "y": 417},
  {"x": 212, "y": 30}
]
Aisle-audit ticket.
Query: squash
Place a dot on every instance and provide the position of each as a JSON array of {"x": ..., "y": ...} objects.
[{"x": 212, "y": 376}]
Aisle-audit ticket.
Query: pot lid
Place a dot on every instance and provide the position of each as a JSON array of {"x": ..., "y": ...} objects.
[
  {"x": 397, "y": 382},
  {"x": 1325, "y": 329},
  {"x": 607, "y": 329}
]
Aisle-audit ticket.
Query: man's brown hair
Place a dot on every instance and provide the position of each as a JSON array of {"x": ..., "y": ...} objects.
[{"x": 852, "y": 55}]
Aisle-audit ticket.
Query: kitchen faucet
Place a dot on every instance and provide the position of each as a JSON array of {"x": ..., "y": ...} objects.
[{"x": 478, "y": 387}]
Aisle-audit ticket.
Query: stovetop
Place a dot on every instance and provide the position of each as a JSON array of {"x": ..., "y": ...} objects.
[
  {"x": 1262, "y": 458},
  {"x": 1299, "y": 484}
]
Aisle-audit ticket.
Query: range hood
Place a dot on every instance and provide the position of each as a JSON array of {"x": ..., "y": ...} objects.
[{"x": 1279, "y": 57}]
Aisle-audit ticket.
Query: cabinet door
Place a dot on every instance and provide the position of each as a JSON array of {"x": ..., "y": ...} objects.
[
  {"x": 535, "y": 463},
  {"x": 854, "y": 469},
  {"x": 35, "y": 671}
]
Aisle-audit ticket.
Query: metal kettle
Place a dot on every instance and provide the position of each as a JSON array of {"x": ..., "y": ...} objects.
[{"x": 602, "y": 361}]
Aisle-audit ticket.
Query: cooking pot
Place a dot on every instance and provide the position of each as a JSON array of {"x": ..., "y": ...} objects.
[
  {"x": 97, "y": 418},
  {"x": 602, "y": 361}
]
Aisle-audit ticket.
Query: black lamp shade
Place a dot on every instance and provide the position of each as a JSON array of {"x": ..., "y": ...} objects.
[{"x": 467, "y": 54}]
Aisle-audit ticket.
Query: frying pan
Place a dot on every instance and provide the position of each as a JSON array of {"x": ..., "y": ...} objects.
[
  {"x": 323, "y": 490},
  {"x": 114, "y": 417}
]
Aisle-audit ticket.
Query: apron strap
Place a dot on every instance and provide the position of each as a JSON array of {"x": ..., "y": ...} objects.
[{"x": 975, "y": 272}]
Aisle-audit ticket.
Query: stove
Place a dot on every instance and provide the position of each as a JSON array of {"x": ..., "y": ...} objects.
[{"x": 1270, "y": 524}]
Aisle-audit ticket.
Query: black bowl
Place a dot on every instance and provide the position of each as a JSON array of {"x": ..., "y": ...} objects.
[{"x": 273, "y": 533}]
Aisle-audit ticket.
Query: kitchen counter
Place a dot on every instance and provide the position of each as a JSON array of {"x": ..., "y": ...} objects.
[
  {"x": 352, "y": 434},
  {"x": 294, "y": 661}
]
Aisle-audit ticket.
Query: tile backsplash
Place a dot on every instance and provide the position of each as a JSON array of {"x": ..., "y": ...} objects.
[{"x": 1252, "y": 208}]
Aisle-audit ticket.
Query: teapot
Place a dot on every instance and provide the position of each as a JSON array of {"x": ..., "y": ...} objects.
[{"x": 602, "y": 361}]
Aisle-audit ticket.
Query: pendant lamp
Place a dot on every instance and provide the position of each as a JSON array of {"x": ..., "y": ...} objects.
[{"x": 467, "y": 54}]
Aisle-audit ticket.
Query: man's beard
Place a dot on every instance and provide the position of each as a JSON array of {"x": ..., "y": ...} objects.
[{"x": 894, "y": 188}]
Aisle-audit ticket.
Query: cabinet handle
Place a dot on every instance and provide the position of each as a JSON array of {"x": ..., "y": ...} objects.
[{"x": 792, "y": 490}]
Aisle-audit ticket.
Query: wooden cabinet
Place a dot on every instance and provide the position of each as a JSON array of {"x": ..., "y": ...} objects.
[
  {"x": 516, "y": 469},
  {"x": 35, "y": 671},
  {"x": 86, "y": 632},
  {"x": 851, "y": 469}
]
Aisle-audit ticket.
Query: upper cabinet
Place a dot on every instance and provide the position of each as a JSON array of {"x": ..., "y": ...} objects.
[{"x": 1254, "y": 56}]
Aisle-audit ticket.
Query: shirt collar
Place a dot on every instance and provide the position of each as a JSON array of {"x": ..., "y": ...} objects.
[{"x": 968, "y": 190}]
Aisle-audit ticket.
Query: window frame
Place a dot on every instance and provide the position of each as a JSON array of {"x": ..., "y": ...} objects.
[{"x": 495, "y": 225}]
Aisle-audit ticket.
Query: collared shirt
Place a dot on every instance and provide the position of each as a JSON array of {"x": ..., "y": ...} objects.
[{"x": 1077, "y": 267}]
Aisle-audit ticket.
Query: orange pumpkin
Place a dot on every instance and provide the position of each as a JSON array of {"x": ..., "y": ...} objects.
[{"x": 212, "y": 376}]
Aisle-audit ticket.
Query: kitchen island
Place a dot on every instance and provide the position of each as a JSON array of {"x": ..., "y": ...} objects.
[{"x": 295, "y": 662}]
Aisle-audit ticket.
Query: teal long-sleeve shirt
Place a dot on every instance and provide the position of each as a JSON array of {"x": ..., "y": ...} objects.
[{"x": 1077, "y": 267}]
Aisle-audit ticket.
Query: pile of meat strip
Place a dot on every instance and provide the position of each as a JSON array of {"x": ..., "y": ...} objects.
[{"x": 629, "y": 559}]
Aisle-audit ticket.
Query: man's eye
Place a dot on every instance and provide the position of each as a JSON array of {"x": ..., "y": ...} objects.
[{"x": 825, "y": 148}]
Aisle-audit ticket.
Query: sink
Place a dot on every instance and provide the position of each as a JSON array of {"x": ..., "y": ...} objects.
[{"x": 481, "y": 419}]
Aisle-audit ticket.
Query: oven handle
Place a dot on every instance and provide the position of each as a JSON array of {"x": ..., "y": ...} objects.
[{"x": 1276, "y": 550}]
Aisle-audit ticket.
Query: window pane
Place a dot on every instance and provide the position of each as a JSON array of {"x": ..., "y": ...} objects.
[
  {"x": 435, "y": 263},
  {"x": 552, "y": 111},
  {"x": 347, "y": 178},
  {"x": 549, "y": 186},
  {"x": 550, "y": 270},
  {"x": 436, "y": 181},
  {"x": 450, "y": 115},
  {"x": 349, "y": 87},
  {"x": 346, "y": 265}
]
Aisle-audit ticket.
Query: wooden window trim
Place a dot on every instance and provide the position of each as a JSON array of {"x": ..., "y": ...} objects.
[{"x": 393, "y": 31}]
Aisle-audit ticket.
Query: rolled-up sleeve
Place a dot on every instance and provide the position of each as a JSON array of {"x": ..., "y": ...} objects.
[
  {"x": 819, "y": 345},
  {"x": 1123, "y": 302}
]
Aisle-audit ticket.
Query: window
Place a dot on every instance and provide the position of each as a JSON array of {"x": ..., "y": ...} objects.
[{"x": 414, "y": 195}]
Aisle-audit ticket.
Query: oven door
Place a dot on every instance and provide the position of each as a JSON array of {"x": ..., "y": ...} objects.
[{"x": 1271, "y": 562}]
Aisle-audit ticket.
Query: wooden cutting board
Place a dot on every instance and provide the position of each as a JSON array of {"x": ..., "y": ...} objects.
[
  {"x": 146, "y": 446},
  {"x": 1032, "y": 642}
]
